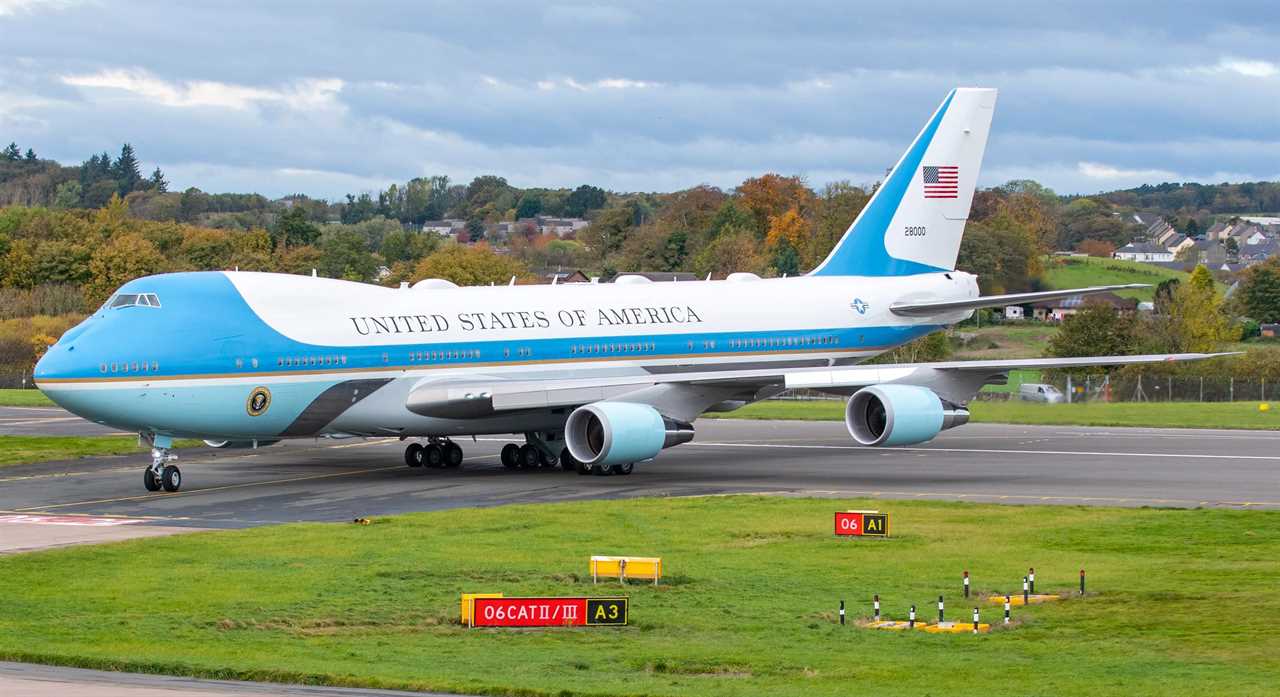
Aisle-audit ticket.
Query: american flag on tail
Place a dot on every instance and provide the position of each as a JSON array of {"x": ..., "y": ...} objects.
[{"x": 942, "y": 181}]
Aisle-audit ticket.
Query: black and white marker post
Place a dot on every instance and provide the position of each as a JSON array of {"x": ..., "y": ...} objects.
[
  {"x": 939, "y": 609},
  {"x": 1026, "y": 593},
  {"x": 911, "y": 618},
  {"x": 1007, "y": 603},
  {"x": 1081, "y": 581},
  {"x": 1031, "y": 576},
  {"x": 841, "y": 612},
  {"x": 975, "y": 620},
  {"x": 875, "y": 605},
  {"x": 966, "y": 584}
]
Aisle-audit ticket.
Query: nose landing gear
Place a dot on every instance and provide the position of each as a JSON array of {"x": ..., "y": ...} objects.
[{"x": 160, "y": 474}]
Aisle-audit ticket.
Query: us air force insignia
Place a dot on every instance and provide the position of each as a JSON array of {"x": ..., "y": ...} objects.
[
  {"x": 859, "y": 305},
  {"x": 258, "y": 402}
]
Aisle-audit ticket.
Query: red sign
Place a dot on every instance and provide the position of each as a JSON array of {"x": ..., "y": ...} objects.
[
  {"x": 548, "y": 612},
  {"x": 861, "y": 523}
]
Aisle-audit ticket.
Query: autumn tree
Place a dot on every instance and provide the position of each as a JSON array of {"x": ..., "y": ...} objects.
[
  {"x": 836, "y": 207},
  {"x": 475, "y": 265},
  {"x": 122, "y": 259},
  {"x": 789, "y": 226},
  {"x": 771, "y": 196},
  {"x": 1194, "y": 321},
  {"x": 1096, "y": 248},
  {"x": 734, "y": 250}
]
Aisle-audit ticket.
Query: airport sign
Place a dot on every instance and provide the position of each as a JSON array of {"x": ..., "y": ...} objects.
[
  {"x": 549, "y": 612},
  {"x": 862, "y": 524}
]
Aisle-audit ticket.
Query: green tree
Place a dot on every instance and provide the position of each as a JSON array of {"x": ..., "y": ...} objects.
[
  {"x": 584, "y": 199},
  {"x": 406, "y": 245},
  {"x": 928, "y": 348},
  {"x": 469, "y": 265},
  {"x": 67, "y": 195},
  {"x": 31, "y": 155},
  {"x": 530, "y": 205},
  {"x": 126, "y": 170},
  {"x": 1258, "y": 296},
  {"x": 122, "y": 259},
  {"x": 11, "y": 153},
  {"x": 343, "y": 255},
  {"x": 786, "y": 261},
  {"x": 734, "y": 250},
  {"x": 157, "y": 181},
  {"x": 1096, "y": 330},
  {"x": 292, "y": 229},
  {"x": 1194, "y": 320}
]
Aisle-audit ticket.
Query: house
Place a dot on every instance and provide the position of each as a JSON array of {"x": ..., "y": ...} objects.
[
  {"x": 1178, "y": 243},
  {"x": 1270, "y": 330},
  {"x": 561, "y": 226},
  {"x": 1062, "y": 308},
  {"x": 1143, "y": 251},
  {"x": 444, "y": 228},
  {"x": 1014, "y": 312},
  {"x": 562, "y": 276},
  {"x": 1164, "y": 234}
]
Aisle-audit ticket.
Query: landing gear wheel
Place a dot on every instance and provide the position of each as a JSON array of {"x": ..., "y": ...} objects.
[
  {"x": 413, "y": 455},
  {"x": 150, "y": 480},
  {"x": 624, "y": 468},
  {"x": 510, "y": 456},
  {"x": 567, "y": 463},
  {"x": 432, "y": 455},
  {"x": 452, "y": 455},
  {"x": 549, "y": 461},
  {"x": 530, "y": 458},
  {"x": 581, "y": 467},
  {"x": 171, "y": 478},
  {"x": 602, "y": 470}
]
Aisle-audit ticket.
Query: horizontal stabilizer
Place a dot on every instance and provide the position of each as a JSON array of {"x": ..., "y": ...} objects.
[{"x": 946, "y": 306}]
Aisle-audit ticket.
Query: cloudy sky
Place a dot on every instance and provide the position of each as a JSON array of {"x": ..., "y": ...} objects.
[{"x": 327, "y": 98}]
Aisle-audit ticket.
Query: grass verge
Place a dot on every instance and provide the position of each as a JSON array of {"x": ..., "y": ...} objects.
[
  {"x": 24, "y": 398},
  {"x": 1242, "y": 415},
  {"x": 22, "y": 450},
  {"x": 749, "y": 608}
]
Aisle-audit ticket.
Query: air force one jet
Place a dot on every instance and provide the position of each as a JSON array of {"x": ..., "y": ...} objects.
[{"x": 596, "y": 377}]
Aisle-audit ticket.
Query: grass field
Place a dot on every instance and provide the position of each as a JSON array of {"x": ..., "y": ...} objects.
[
  {"x": 24, "y": 398},
  {"x": 1154, "y": 414},
  {"x": 1184, "y": 601},
  {"x": 21, "y": 450},
  {"x": 1080, "y": 272}
]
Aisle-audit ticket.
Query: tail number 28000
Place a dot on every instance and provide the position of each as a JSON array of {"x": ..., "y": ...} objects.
[{"x": 914, "y": 231}]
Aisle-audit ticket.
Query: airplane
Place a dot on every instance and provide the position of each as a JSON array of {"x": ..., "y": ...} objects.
[{"x": 598, "y": 377}]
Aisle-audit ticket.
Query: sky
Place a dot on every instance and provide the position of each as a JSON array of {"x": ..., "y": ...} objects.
[{"x": 328, "y": 98}]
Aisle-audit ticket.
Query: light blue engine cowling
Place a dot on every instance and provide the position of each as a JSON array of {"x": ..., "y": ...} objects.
[
  {"x": 899, "y": 415},
  {"x": 616, "y": 433}
]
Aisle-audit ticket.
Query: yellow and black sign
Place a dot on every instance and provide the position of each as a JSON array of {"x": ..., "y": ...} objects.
[
  {"x": 606, "y": 611},
  {"x": 258, "y": 402},
  {"x": 875, "y": 524}
]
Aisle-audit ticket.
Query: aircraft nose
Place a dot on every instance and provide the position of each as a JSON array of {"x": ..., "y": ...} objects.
[{"x": 57, "y": 362}]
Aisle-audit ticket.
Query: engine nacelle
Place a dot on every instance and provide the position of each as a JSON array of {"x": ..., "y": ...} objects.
[
  {"x": 616, "y": 433},
  {"x": 899, "y": 415},
  {"x": 239, "y": 444}
]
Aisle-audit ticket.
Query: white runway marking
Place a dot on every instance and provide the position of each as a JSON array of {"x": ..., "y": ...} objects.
[{"x": 985, "y": 451}]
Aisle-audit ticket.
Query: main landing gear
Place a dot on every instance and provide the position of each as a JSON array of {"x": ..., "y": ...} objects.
[
  {"x": 546, "y": 451},
  {"x": 160, "y": 474},
  {"x": 437, "y": 453}
]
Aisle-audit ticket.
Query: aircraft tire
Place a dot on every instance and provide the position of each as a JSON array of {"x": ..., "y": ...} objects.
[
  {"x": 171, "y": 478},
  {"x": 433, "y": 455},
  {"x": 530, "y": 458},
  {"x": 567, "y": 463},
  {"x": 602, "y": 470},
  {"x": 452, "y": 455},
  {"x": 582, "y": 468},
  {"x": 413, "y": 455},
  {"x": 548, "y": 460},
  {"x": 149, "y": 480},
  {"x": 510, "y": 456},
  {"x": 625, "y": 468}
]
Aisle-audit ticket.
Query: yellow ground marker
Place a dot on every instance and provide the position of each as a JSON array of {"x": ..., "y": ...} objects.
[{"x": 1016, "y": 600}]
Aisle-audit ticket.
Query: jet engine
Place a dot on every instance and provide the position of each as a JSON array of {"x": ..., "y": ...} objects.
[
  {"x": 616, "y": 433},
  {"x": 899, "y": 415}
]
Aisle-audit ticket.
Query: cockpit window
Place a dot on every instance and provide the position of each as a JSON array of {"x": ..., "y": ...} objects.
[{"x": 134, "y": 300}]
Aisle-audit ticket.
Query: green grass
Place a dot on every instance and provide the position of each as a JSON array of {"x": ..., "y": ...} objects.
[
  {"x": 1080, "y": 272},
  {"x": 24, "y": 398},
  {"x": 1244, "y": 415},
  {"x": 1185, "y": 601},
  {"x": 1001, "y": 341},
  {"x": 21, "y": 450}
]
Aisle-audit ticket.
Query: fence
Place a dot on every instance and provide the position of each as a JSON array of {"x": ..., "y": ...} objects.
[{"x": 16, "y": 380}]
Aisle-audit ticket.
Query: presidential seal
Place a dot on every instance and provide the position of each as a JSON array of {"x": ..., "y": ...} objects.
[{"x": 258, "y": 402}]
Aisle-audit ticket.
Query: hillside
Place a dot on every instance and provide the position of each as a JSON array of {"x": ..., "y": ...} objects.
[{"x": 1079, "y": 272}]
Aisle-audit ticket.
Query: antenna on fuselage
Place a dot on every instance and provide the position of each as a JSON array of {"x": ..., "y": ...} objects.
[
  {"x": 313, "y": 273},
  {"x": 513, "y": 281}
]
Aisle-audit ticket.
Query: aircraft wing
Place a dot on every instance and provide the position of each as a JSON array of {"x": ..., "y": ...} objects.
[
  {"x": 928, "y": 309},
  {"x": 685, "y": 395}
]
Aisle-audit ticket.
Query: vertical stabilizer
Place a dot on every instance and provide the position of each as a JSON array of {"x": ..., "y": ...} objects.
[{"x": 914, "y": 222}]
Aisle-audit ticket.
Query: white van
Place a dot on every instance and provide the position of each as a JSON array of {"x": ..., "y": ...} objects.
[{"x": 1038, "y": 392}]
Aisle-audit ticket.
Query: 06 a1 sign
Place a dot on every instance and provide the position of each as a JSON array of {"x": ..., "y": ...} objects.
[
  {"x": 549, "y": 612},
  {"x": 862, "y": 523}
]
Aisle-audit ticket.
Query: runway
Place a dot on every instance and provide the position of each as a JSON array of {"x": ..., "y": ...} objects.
[
  {"x": 102, "y": 499},
  {"x": 340, "y": 480}
]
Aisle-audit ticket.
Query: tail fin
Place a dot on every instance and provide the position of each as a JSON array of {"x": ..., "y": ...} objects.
[{"x": 914, "y": 222}]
